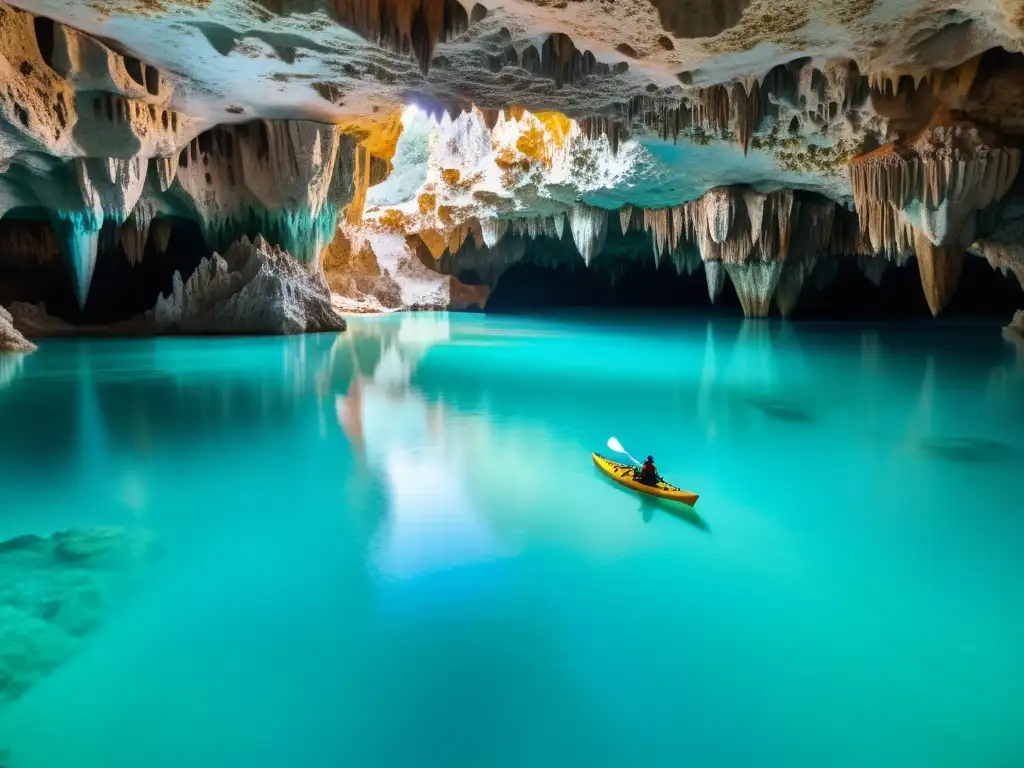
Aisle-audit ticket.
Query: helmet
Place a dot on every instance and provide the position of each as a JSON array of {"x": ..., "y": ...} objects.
[{"x": 650, "y": 459}]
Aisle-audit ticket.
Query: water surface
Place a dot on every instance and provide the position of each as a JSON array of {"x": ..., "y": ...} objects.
[{"x": 389, "y": 547}]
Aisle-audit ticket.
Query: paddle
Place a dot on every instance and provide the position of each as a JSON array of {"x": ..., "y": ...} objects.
[{"x": 616, "y": 446}]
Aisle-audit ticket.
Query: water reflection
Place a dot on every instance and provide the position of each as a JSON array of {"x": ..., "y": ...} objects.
[
  {"x": 431, "y": 521},
  {"x": 10, "y": 368},
  {"x": 338, "y": 511}
]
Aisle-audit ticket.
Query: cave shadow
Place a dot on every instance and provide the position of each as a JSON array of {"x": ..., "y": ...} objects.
[{"x": 118, "y": 290}]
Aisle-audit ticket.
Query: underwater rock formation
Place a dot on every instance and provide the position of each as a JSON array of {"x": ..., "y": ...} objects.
[
  {"x": 11, "y": 339},
  {"x": 254, "y": 288},
  {"x": 55, "y": 591}
]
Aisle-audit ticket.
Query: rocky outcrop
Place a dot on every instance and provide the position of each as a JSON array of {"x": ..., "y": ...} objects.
[
  {"x": 11, "y": 339},
  {"x": 255, "y": 288},
  {"x": 55, "y": 591},
  {"x": 1015, "y": 330}
]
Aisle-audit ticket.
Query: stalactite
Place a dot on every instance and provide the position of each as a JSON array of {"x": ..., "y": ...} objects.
[
  {"x": 716, "y": 279},
  {"x": 936, "y": 192},
  {"x": 940, "y": 268},
  {"x": 166, "y": 170},
  {"x": 458, "y": 237},
  {"x": 161, "y": 229},
  {"x": 535, "y": 226},
  {"x": 405, "y": 27},
  {"x": 559, "y": 225},
  {"x": 589, "y": 226},
  {"x": 656, "y": 221},
  {"x": 133, "y": 241},
  {"x": 29, "y": 239},
  {"x": 78, "y": 234},
  {"x": 625, "y": 217},
  {"x": 873, "y": 267},
  {"x": 719, "y": 209},
  {"x": 755, "y": 283},
  {"x": 360, "y": 185},
  {"x": 493, "y": 230}
]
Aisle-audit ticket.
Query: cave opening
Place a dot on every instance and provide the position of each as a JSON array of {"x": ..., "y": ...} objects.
[
  {"x": 46, "y": 33},
  {"x": 152, "y": 78},
  {"x": 134, "y": 69},
  {"x": 33, "y": 270}
]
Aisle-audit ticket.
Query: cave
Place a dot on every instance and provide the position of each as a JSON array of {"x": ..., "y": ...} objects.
[
  {"x": 511, "y": 383},
  {"x": 33, "y": 271}
]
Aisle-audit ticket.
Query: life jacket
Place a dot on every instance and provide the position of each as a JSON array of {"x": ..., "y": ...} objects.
[{"x": 648, "y": 468}]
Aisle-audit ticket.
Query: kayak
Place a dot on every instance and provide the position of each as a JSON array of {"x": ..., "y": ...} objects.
[{"x": 623, "y": 474}]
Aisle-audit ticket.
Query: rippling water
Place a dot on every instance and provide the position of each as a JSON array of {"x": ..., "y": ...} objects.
[{"x": 390, "y": 547}]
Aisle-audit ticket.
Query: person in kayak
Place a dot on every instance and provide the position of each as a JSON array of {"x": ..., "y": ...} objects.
[{"x": 648, "y": 473}]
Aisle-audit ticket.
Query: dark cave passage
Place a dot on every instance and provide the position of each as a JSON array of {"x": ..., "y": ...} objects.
[
  {"x": 32, "y": 270},
  {"x": 550, "y": 274}
]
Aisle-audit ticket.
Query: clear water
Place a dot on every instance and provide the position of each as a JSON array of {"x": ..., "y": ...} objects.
[{"x": 390, "y": 547}]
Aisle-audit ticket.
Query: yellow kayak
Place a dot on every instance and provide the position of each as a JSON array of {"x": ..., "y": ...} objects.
[{"x": 623, "y": 474}]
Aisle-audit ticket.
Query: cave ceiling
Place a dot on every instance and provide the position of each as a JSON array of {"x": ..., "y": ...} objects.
[{"x": 440, "y": 118}]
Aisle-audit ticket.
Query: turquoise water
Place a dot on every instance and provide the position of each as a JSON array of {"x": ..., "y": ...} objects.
[{"x": 390, "y": 547}]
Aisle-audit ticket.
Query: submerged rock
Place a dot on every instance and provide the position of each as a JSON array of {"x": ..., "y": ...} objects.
[
  {"x": 11, "y": 339},
  {"x": 254, "y": 288},
  {"x": 782, "y": 411},
  {"x": 966, "y": 450},
  {"x": 53, "y": 592}
]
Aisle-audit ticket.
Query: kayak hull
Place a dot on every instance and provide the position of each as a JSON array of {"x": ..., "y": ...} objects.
[{"x": 623, "y": 475}]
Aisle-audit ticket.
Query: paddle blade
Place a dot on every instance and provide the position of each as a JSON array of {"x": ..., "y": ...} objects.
[{"x": 615, "y": 445}]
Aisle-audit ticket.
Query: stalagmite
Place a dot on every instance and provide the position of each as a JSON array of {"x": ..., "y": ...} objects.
[
  {"x": 589, "y": 226},
  {"x": 755, "y": 284},
  {"x": 940, "y": 268},
  {"x": 716, "y": 279}
]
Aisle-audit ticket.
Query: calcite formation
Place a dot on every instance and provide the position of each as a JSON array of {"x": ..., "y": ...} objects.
[
  {"x": 766, "y": 141},
  {"x": 11, "y": 339},
  {"x": 254, "y": 288}
]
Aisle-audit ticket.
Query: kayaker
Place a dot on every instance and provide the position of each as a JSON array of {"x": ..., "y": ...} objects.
[{"x": 648, "y": 474}]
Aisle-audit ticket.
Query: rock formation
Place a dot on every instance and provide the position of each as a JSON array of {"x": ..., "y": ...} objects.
[
  {"x": 762, "y": 141},
  {"x": 1015, "y": 330},
  {"x": 11, "y": 339},
  {"x": 254, "y": 288}
]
